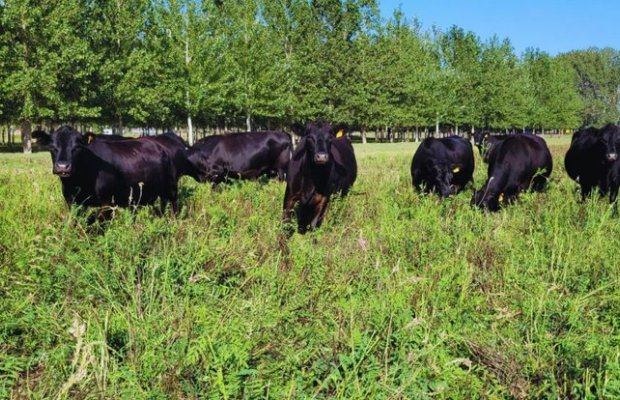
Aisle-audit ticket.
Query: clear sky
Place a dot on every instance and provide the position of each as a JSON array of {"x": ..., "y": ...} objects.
[{"x": 553, "y": 26}]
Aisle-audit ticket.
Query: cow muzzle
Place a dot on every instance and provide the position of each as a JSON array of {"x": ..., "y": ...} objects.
[
  {"x": 62, "y": 169},
  {"x": 321, "y": 158},
  {"x": 612, "y": 156}
]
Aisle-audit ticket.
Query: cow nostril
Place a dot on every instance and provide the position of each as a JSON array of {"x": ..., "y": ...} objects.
[
  {"x": 321, "y": 157},
  {"x": 62, "y": 168}
]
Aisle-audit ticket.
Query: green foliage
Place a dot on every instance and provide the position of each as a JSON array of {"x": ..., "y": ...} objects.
[
  {"x": 267, "y": 63},
  {"x": 597, "y": 78},
  {"x": 397, "y": 295}
]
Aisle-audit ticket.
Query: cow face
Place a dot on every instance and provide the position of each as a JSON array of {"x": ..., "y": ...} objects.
[
  {"x": 65, "y": 144},
  {"x": 480, "y": 138},
  {"x": 199, "y": 163},
  {"x": 610, "y": 140},
  {"x": 485, "y": 201},
  {"x": 441, "y": 174},
  {"x": 317, "y": 139}
]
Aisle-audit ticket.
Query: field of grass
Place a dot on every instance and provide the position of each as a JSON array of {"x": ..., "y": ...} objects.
[{"x": 398, "y": 295}]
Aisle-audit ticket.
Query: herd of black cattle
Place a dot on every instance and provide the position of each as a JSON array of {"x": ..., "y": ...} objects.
[{"x": 108, "y": 171}]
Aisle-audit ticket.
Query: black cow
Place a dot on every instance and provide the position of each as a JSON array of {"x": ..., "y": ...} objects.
[
  {"x": 90, "y": 136},
  {"x": 322, "y": 164},
  {"x": 516, "y": 163},
  {"x": 591, "y": 157},
  {"x": 441, "y": 165},
  {"x": 174, "y": 145},
  {"x": 246, "y": 155},
  {"x": 111, "y": 173},
  {"x": 485, "y": 142},
  {"x": 178, "y": 152}
]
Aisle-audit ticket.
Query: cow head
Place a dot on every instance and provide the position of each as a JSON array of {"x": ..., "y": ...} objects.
[
  {"x": 610, "y": 140},
  {"x": 442, "y": 173},
  {"x": 481, "y": 140},
  {"x": 487, "y": 200},
  {"x": 317, "y": 140},
  {"x": 65, "y": 144}
]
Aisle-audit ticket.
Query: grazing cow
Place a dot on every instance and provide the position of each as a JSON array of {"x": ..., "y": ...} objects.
[
  {"x": 108, "y": 173},
  {"x": 485, "y": 142},
  {"x": 246, "y": 155},
  {"x": 591, "y": 157},
  {"x": 322, "y": 164},
  {"x": 441, "y": 165},
  {"x": 516, "y": 163}
]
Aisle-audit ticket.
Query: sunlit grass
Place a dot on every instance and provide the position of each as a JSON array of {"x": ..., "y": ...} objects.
[{"x": 398, "y": 295}]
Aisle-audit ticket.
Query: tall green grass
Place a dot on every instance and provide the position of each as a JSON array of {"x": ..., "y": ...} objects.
[{"x": 398, "y": 295}]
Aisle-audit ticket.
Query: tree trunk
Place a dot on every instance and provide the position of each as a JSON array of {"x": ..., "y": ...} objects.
[
  {"x": 190, "y": 130},
  {"x": 363, "y": 133},
  {"x": 248, "y": 122},
  {"x": 26, "y": 129},
  {"x": 118, "y": 129}
]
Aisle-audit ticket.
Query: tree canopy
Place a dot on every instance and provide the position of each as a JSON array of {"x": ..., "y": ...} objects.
[{"x": 253, "y": 64}]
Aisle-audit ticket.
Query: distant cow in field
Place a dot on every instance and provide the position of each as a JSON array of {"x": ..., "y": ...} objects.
[
  {"x": 591, "y": 160},
  {"x": 485, "y": 142},
  {"x": 322, "y": 164},
  {"x": 246, "y": 155},
  {"x": 516, "y": 163},
  {"x": 443, "y": 165},
  {"x": 111, "y": 173}
]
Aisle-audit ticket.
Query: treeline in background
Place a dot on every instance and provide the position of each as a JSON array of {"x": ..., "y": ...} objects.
[{"x": 216, "y": 65}]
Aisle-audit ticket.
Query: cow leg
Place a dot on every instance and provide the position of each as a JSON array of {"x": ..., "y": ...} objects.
[
  {"x": 174, "y": 205},
  {"x": 319, "y": 211},
  {"x": 289, "y": 203},
  {"x": 173, "y": 198},
  {"x": 538, "y": 183},
  {"x": 282, "y": 164},
  {"x": 163, "y": 202},
  {"x": 585, "y": 191}
]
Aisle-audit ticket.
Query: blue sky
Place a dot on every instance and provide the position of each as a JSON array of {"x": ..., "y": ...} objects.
[{"x": 553, "y": 26}]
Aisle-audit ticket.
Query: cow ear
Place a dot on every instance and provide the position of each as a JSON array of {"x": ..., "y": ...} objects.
[
  {"x": 42, "y": 137},
  {"x": 341, "y": 130},
  {"x": 299, "y": 129}
]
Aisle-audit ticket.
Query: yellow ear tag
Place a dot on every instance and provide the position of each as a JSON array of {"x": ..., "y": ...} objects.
[
  {"x": 340, "y": 133},
  {"x": 456, "y": 169},
  {"x": 501, "y": 197}
]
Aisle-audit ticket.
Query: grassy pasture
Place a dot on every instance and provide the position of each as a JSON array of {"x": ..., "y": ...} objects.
[{"x": 398, "y": 295}]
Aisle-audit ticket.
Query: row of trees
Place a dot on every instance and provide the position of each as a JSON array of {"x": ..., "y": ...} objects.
[{"x": 266, "y": 63}]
